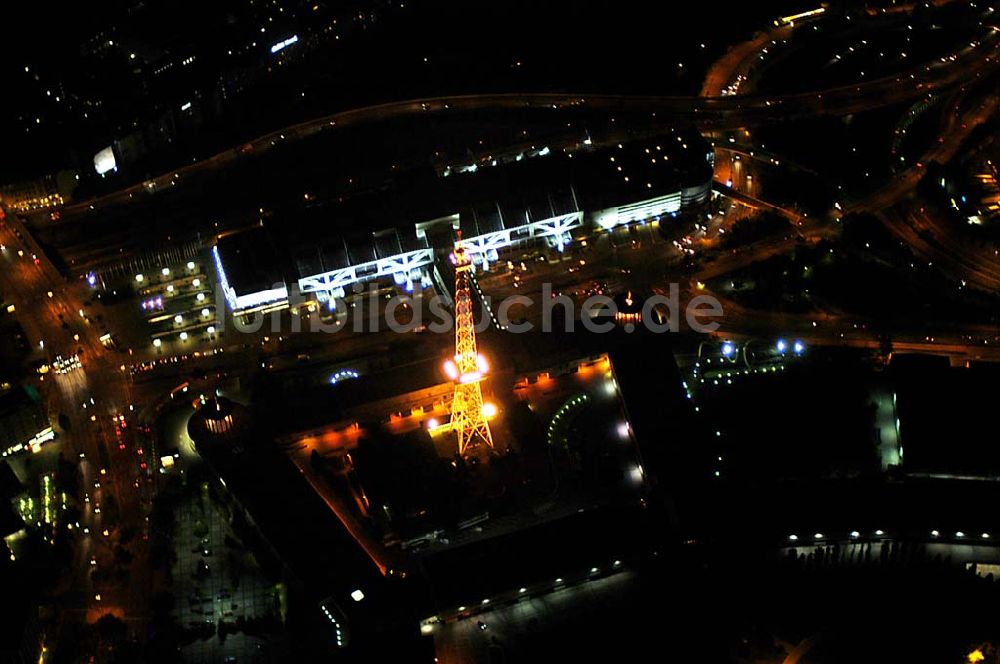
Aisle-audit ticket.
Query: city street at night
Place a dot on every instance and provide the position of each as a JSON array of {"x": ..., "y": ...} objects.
[{"x": 467, "y": 334}]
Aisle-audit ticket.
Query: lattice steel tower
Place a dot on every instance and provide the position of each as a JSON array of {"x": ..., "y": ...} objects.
[{"x": 468, "y": 419}]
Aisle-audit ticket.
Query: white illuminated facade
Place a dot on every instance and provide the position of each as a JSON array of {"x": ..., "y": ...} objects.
[
  {"x": 104, "y": 161},
  {"x": 409, "y": 268},
  {"x": 408, "y": 265},
  {"x": 284, "y": 43},
  {"x": 642, "y": 210},
  {"x": 556, "y": 230}
]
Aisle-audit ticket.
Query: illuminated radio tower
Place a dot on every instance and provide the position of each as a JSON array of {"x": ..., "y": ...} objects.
[{"x": 468, "y": 416}]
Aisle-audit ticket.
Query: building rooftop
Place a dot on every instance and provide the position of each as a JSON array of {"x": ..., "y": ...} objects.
[
  {"x": 302, "y": 531},
  {"x": 251, "y": 261},
  {"x": 332, "y": 252},
  {"x": 642, "y": 169},
  {"x": 380, "y": 222}
]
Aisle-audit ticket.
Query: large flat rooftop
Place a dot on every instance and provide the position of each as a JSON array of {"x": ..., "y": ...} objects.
[{"x": 382, "y": 221}]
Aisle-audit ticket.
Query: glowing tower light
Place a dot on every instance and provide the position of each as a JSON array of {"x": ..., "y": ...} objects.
[{"x": 468, "y": 419}]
